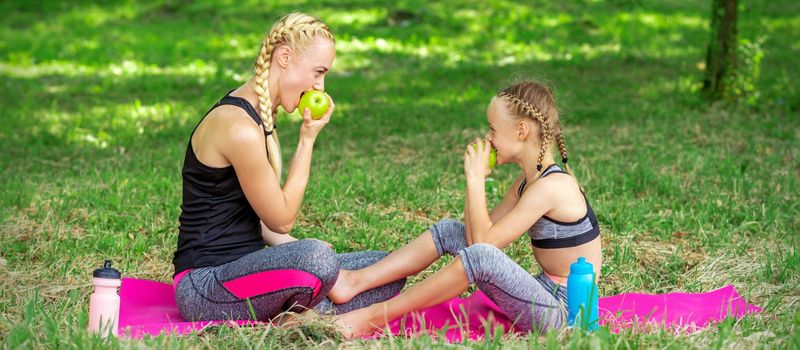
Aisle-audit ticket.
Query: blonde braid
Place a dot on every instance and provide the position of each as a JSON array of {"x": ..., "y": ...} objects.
[
  {"x": 535, "y": 101},
  {"x": 537, "y": 115},
  {"x": 297, "y": 30},
  {"x": 562, "y": 147}
]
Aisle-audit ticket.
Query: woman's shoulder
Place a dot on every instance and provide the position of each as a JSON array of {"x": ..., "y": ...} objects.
[
  {"x": 233, "y": 121},
  {"x": 228, "y": 129}
]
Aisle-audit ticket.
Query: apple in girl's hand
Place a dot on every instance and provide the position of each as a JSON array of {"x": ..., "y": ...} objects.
[
  {"x": 316, "y": 101},
  {"x": 492, "y": 156}
]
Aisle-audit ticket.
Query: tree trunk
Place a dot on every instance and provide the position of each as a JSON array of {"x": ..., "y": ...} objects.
[{"x": 721, "y": 54}]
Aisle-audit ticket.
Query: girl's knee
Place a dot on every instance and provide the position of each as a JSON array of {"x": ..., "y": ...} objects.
[
  {"x": 484, "y": 250},
  {"x": 480, "y": 261},
  {"x": 449, "y": 236}
]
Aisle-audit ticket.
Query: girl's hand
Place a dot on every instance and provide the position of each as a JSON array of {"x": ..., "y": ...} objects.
[
  {"x": 476, "y": 160},
  {"x": 311, "y": 127}
]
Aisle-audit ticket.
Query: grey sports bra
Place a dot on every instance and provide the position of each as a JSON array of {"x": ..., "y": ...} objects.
[{"x": 550, "y": 233}]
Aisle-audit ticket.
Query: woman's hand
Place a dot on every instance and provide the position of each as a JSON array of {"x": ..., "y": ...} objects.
[
  {"x": 476, "y": 160},
  {"x": 311, "y": 127}
]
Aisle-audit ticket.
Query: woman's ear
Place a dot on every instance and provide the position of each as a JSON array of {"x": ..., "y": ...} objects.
[
  {"x": 283, "y": 55},
  {"x": 523, "y": 130}
]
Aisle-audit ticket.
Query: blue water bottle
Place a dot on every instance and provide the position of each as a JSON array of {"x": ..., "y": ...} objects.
[{"x": 582, "y": 295}]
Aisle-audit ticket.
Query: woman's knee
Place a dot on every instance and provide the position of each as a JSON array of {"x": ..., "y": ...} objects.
[
  {"x": 449, "y": 236},
  {"x": 318, "y": 259}
]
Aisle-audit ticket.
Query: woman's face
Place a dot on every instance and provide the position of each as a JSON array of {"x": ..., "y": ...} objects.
[
  {"x": 503, "y": 131},
  {"x": 306, "y": 71}
]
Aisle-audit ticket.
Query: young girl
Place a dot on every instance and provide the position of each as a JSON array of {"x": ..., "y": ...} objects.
[
  {"x": 545, "y": 201},
  {"x": 233, "y": 202}
]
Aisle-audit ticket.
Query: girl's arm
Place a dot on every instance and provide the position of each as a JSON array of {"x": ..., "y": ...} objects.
[
  {"x": 466, "y": 223},
  {"x": 535, "y": 203},
  {"x": 508, "y": 202},
  {"x": 522, "y": 215},
  {"x": 245, "y": 149}
]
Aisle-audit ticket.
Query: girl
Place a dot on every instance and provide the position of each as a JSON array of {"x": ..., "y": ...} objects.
[
  {"x": 233, "y": 202},
  {"x": 545, "y": 201}
]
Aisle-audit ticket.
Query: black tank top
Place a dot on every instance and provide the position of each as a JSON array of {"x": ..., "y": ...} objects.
[{"x": 217, "y": 223}]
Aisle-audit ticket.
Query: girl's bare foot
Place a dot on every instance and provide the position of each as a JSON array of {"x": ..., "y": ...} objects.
[{"x": 346, "y": 287}]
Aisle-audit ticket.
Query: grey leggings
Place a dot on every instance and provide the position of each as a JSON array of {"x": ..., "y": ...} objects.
[
  {"x": 532, "y": 302},
  {"x": 293, "y": 276}
]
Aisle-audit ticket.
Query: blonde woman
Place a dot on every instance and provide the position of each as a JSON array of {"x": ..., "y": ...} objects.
[{"x": 234, "y": 204}]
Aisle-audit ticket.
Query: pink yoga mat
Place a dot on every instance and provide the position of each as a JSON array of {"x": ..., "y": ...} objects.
[{"x": 148, "y": 308}]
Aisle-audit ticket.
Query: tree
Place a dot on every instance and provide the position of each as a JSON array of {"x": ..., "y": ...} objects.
[{"x": 721, "y": 54}]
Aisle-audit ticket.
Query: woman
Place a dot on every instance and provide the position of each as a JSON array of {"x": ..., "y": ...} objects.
[{"x": 233, "y": 202}]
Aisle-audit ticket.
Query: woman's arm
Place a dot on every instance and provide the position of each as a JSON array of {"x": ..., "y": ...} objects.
[
  {"x": 272, "y": 238},
  {"x": 245, "y": 149},
  {"x": 276, "y": 207}
]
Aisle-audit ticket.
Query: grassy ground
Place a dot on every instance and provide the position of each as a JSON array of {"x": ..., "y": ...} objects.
[{"x": 98, "y": 102}]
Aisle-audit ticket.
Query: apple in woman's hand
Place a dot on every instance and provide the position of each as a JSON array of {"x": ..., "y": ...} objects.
[{"x": 316, "y": 101}]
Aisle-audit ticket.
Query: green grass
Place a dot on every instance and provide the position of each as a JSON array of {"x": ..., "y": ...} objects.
[{"x": 98, "y": 102}]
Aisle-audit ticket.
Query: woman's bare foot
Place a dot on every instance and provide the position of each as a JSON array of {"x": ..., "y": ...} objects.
[
  {"x": 358, "y": 323},
  {"x": 345, "y": 288}
]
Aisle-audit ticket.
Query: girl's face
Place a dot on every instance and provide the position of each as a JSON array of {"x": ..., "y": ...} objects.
[
  {"x": 305, "y": 71},
  {"x": 504, "y": 132}
]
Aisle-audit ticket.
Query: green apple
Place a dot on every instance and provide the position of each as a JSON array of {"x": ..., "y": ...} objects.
[
  {"x": 492, "y": 156},
  {"x": 316, "y": 101}
]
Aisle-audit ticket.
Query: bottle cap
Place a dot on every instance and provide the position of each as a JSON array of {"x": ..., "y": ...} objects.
[
  {"x": 581, "y": 266},
  {"x": 107, "y": 271}
]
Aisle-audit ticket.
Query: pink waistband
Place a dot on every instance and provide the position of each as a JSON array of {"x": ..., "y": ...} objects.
[
  {"x": 178, "y": 277},
  {"x": 562, "y": 281}
]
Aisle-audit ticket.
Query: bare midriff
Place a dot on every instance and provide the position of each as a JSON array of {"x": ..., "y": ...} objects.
[{"x": 555, "y": 262}]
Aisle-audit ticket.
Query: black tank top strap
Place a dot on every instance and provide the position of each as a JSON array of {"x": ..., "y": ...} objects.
[
  {"x": 243, "y": 104},
  {"x": 552, "y": 168},
  {"x": 234, "y": 101},
  {"x": 521, "y": 187}
]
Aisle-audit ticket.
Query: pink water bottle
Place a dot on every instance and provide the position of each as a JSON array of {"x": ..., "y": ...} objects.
[{"x": 104, "y": 302}]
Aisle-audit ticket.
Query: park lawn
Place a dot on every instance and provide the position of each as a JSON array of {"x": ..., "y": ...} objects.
[{"x": 99, "y": 100}]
